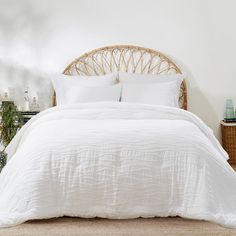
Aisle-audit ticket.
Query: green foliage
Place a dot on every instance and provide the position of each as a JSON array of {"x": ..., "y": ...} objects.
[
  {"x": 3, "y": 160},
  {"x": 11, "y": 121}
]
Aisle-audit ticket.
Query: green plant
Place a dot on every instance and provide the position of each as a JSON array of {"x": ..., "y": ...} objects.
[
  {"x": 3, "y": 160},
  {"x": 11, "y": 121}
]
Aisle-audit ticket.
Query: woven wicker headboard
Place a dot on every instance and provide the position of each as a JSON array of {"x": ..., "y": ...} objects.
[{"x": 125, "y": 58}]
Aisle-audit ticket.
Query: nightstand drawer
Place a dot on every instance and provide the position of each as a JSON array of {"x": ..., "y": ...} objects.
[{"x": 228, "y": 131}]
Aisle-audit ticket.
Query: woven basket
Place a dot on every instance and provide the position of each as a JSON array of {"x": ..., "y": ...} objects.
[{"x": 229, "y": 140}]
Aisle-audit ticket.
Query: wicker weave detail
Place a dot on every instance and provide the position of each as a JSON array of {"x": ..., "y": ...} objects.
[
  {"x": 229, "y": 141},
  {"x": 126, "y": 58}
]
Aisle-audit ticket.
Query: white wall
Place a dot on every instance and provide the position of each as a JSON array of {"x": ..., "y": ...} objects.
[{"x": 199, "y": 34}]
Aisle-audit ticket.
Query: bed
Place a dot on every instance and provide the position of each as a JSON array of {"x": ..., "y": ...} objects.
[{"x": 117, "y": 160}]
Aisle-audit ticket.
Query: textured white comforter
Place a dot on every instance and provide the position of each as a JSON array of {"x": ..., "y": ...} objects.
[{"x": 116, "y": 160}]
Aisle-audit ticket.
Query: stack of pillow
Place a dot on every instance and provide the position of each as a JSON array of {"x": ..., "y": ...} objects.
[{"x": 124, "y": 87}]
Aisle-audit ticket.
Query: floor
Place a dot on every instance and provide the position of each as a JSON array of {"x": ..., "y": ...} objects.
[{"x": 103, "y": 227}]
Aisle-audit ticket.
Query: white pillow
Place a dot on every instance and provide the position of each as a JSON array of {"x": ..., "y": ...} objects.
[
  {"x": 101, "y": 80},
  {"x": 77, "y": 89},
  {"x": 166, "y": 94},
  {"x": 148, "y": 78}
]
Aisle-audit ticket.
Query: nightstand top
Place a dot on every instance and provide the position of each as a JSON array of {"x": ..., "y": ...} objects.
[{"x": 228, "y": 123}]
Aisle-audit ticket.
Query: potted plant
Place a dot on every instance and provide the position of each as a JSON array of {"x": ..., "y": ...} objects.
[{"x": 11, "y": 121}]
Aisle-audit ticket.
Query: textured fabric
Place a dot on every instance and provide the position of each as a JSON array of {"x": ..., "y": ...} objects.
[
  {"x": 151, "y": 88},
  {"x": 136, "y": 78},
  {"x": 116, "y": 160},
  {"x": 84, "y": 94},
  {"x": 166, "y": 94},
  {"x": 74, "y": 89},
  {"x": 106, "y": 227}
]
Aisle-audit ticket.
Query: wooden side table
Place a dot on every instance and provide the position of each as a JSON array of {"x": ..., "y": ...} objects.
[
  {"x": 27, "y": 115},
  {"x": 228, "y": 131}
]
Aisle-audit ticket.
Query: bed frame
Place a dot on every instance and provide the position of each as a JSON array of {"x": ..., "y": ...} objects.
[{"x": 125, "y": 58}]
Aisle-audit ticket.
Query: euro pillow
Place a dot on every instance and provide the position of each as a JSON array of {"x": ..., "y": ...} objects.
[
  {"x": 166, "y": 94},
  {"x": 78, "y": 89},
  {"x": 101, "y": 80},
  {"x": 148, "y": 78}
]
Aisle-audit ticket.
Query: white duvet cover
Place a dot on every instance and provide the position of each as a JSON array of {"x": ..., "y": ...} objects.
[{"x": 116, "y": 160}]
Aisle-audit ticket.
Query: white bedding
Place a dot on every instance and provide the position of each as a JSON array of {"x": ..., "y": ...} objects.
[{"x": 116, "y": 160}]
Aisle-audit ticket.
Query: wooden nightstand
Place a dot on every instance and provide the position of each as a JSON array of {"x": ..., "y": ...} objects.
[
  {"x": 27, "y": 115},
  {"x": 228, "y": 131}
]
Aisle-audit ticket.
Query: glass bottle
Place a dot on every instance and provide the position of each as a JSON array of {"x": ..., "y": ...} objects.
[
  {"x": 26, "y": 101},
  {"x": 35, "y": 105},
  {"x": 5, "y": 97},
  {"x": 11, "y": 93},
  {"x": 229, "y": 109}
]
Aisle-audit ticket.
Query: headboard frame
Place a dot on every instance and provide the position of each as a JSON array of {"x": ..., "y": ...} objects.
[{"x": 125, "y": 58}]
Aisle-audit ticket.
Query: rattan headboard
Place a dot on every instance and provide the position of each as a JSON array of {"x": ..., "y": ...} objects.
[{"x": 125, "y": 58}]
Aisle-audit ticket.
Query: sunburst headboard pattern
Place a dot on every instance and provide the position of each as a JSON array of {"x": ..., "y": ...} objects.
[{"x": 126, "y": 58}]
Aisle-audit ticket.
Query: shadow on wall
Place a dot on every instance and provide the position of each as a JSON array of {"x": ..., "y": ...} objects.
[
  {"x": 14, "y": 80},
  {"x": 198, "y": 103},
  {"x": 200, "y": 106},
  {"x": 25, "y": 26}
]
